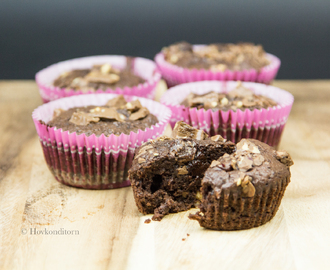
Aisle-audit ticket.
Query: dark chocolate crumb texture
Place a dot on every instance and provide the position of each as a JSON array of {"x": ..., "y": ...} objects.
[
  {"x": 217, "y": 57},
  {"x": 244, "y": 189},
  {"x": 116, "y": 117},
  {"x": 99, "y": 77},
  {"x": 239, "y": 98},
  {"x": 166, "y": 173}
]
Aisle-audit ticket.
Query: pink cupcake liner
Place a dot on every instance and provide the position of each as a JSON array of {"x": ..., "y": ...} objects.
[
  {"x": 142, "y": 67},
  {"x": 90, "y": 161},
  {"x": 175, "y": 75},
  {"x": 265, "y": 125}
]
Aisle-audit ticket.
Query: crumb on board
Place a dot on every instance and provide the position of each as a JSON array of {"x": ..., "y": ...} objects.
[
  {"x": 183, "y": 239},
  {"x": 147, "y": 221},
  {"x": 188, "y": 234}
]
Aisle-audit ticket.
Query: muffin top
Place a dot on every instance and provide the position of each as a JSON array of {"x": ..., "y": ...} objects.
[
  {"x": 240, "y": 98},
  {"x": 217, "y": 57},
  {"x": 99, "y": 77},
  {"x": 253, "y": 166},
  {"x": 117, "y": 116}
]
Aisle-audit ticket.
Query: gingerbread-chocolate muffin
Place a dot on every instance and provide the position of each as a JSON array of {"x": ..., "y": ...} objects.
[
  {"x": 166, "y": 173},
  {"x": 116, "y": 117},
  {"x": 244, "y": 189},
  {"x": 217, "y": 57},
  {"x": 99, "y": 77},
  {"x": 240, "y": 98}
]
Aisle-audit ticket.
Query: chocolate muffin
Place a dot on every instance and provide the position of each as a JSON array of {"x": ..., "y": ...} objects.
[
  {"x": 217, "y": 57},
  {"x": 99, "y": 77},
  {"x": 244, "y": 189},
  {"x": 116, "y": 117},
  {"x": 239, "y": 98},
  {"x": 166, "y": 173}
]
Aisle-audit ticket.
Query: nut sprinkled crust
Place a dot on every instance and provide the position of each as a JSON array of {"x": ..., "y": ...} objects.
[
  {"x": 99, "y": 77},
  {"x": 243, "y": 190},
  {"x": 169, "y": 179},
  {"x": 116, "y": 117},
  {"x": 240, "y": 98},
  {"x": 217, "y": 57}
]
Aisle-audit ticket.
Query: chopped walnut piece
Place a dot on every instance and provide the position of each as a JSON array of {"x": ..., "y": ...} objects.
[
  {"x": 182, "y": 170},
  {"x": 218, "y": 138},
  {"x": 284, "y": 157},
  {"x": 183, "y": 130},
  {"x": 57, "y": 112},
  {"x": 82, "y": 119},
  {"x": 107, "y": 113},
  {"x": 214, "y": 163},
  {"x": 105, "y": 69},
  {"x": 116, "y": 102},
  {"x": 244, "y": 163},
  {"x": 140, "y": 114},
  {"x": 258, "y": 160},
  {"x": 141, "y": 160},
  {"x": 240, "y": 178},
  {"x": 224, "y": 101},
  {"x": 249, "y": 190},
  {"x": 199, "y": 196},
  {"x": 246, "y": 145},
  {"x": 133, "y": 106},
  {"x": 99, "y": 77}
]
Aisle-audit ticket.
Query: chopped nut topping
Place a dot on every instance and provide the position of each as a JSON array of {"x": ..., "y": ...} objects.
[
  {"x": 156, "y": 154},
  {"x": 82, "y": 119},
  {"x": 258, "y": 160},
  {"x": 133, "y": 106},
  {"x": 218, "y": 138},
  {"x": 140, "y": 114},
  {"x": 199, "y": 196},
  {"x": 240, "y": 178},
  {"x": 249, "y": 190},
  {"x": 246, "y": 145},
  {"x": 141, "y": 160},
  {"x": 98, "y": 77},
  {"x": 116, "y": 102},
  {"x": 105, "y": 69},
  {"x": 284, "y": 157},
  {"x": 244, "y": 163},
  {"x": 217, "y": 57},
  {"x": 240, "y": 98},
  {"x": 224, "y": 101},
  {"x": 214, "y": 163},
  {"x": 57, "y": 112},
  {"x": 182, "y": 170},
  {"x": 183, "y": 130},
  {"x": 108, "y": 113}
]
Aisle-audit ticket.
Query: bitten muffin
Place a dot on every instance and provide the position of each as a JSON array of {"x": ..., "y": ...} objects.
[
  {"x": 166, "y": 173},
  {"x": 101, "y": 77},
  {"x": 244, "y": 189},
  {"x": 217, "y": 57}
]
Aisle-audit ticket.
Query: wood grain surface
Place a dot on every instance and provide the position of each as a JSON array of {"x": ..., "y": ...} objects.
[{"x": 104, "y": 230}]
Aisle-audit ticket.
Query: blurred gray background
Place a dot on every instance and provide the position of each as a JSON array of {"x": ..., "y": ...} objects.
[{"x": 35, "y": 34}]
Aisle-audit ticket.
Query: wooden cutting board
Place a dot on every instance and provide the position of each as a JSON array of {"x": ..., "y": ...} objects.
[{"x": 104, "y": 230}]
